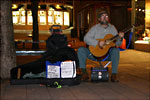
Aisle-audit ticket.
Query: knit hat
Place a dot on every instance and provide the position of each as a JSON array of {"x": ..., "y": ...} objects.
[{"x": 102, "y": 12}]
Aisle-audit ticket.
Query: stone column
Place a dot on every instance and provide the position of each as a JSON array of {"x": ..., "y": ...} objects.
[{"x": 7, "y": 45}]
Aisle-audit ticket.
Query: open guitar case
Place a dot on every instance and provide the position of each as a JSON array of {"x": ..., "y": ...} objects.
[
  {"x": 53, "y": 54},
  {"x": 39, "y": 66}
]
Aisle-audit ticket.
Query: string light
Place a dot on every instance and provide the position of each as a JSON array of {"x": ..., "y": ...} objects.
[
  {"x": 143, "y": 10},
  {"x": 57, "y": 6},
  {"x": 14, "y": 6}
]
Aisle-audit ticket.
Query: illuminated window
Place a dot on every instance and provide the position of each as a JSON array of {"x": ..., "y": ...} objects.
[
  {"x": 58, "y": 18},
  {"x": 29, "y": 14},
  {"x": 15, "y": 17},
  {"x": 22, "y": 18},
  {"x": 19, "y": 17},
  {"x": 66, "y": 18},
  {"x": 88, "y": 18},
  {"x": 50, "y": 17},
  {"x": 42, "y": 17}
]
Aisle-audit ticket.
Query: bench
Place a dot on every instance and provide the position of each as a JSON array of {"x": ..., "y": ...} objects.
[{"x": 26, "y": 44}]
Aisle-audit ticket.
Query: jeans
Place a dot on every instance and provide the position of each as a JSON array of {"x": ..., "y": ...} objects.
[{"x": 114, "y": 56}]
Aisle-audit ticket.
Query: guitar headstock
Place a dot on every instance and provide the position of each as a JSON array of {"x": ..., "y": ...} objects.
[{"x": 129, "y": 28}]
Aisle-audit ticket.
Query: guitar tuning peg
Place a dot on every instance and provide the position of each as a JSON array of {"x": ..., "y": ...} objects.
[{"x": 132, "y": 29}]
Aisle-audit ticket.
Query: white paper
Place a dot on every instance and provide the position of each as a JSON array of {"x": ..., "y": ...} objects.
[
  {"x": 68, "y": 69},
  {"x": 53, "y": 71}
]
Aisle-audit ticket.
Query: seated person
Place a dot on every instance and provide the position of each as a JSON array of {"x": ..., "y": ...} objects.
[{"x": 99, "y": 31}]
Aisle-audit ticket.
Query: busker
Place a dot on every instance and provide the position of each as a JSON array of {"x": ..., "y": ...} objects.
[{"x": 99, "y": 31}]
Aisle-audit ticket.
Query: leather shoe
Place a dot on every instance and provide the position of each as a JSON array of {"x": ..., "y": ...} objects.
[
  {"x": 114, "y": 78},
  {"x": 85, "y": 77}
]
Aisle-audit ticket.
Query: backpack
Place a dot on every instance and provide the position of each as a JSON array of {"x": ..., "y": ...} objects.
[{"x": 56, "y": 41}]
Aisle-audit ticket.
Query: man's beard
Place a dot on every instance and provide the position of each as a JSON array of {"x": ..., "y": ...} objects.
[{"x": 103, "y": 22}]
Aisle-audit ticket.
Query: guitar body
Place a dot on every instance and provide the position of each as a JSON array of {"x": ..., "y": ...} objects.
[{"x": 99, "y": 52}]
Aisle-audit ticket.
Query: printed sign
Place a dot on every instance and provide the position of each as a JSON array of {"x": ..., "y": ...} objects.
[{"x": 65, "y": 69}]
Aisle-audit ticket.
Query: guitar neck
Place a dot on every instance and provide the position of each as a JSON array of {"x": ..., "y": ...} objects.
[
  {"x": 124, "y": 31},
  {"x": 114, "y": 38}
]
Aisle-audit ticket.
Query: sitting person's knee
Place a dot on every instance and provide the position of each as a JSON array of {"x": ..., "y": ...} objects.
[
  {"x": 81, "y": 50},
  {"x": 115, "y": 50}
]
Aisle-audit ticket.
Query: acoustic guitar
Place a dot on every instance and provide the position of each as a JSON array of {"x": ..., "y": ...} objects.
[{"x": 109, "y": 42}]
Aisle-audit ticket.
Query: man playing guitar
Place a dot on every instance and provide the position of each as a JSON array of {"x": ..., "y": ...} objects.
[{"x": 99, "y": 31}]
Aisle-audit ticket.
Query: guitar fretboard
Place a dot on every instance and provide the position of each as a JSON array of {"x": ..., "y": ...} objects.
[{"x": 124, "y": 31}]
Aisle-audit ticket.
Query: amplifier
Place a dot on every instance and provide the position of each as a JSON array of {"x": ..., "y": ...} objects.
[{"x": 99, "y": 74}]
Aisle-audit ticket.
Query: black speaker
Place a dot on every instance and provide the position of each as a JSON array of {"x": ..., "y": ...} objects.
[{"x": 99, "y": 74}]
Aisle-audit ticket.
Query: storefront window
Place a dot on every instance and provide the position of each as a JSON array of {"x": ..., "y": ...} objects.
[
  {"x": 66, "y": 18},
  {"x": 139, "y": 20},
  {"x": 29, "y": 14},
  {"x": 42, "y": 17},
  {"x": 50, "y": 17},
  {"x": 142, "y": 31},
  {"x": 58, "y": 17}
]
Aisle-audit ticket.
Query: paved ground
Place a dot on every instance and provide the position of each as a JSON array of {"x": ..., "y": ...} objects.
[{"x": 134, "y": 75}]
